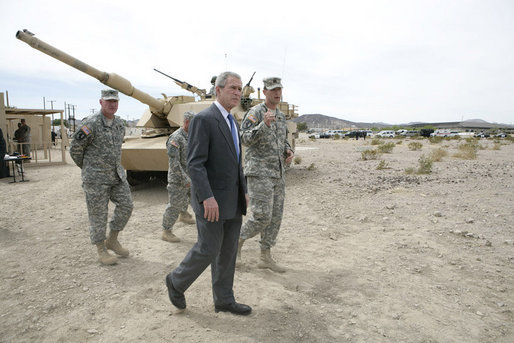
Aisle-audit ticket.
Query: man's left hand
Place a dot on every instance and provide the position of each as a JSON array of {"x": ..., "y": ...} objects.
[{"x": 290, "y": 155}]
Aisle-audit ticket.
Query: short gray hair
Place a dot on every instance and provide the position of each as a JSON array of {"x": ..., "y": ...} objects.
[{"x": 221, "y": 81}]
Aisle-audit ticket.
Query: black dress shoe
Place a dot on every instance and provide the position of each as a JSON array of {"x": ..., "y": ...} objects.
[
  {"x": 235, "y": 308},
  {"x": 177, "y": 299}
]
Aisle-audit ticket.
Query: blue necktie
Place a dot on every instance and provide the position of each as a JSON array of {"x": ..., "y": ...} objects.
[{"x": 234, "y": 133}]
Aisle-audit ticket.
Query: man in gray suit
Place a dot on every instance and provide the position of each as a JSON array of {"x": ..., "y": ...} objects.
[{"x": 218, "y": 197}]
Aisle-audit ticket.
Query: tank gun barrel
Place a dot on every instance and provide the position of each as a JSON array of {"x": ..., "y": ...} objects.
[
  {"x": 187, "y": 86},
  {"x": 157, "y": 106}
]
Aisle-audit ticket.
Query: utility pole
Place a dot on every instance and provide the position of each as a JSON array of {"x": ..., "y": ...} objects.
[{"x": 70, "y": 106}]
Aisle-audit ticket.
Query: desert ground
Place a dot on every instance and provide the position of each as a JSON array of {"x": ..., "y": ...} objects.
[{"x": 372, "y": 255}]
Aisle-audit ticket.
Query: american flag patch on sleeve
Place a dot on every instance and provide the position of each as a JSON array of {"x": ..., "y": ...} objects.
[{"x": 85, "y": 129}]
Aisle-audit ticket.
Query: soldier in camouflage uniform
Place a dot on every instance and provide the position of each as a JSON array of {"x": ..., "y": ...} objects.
[
  {"x": 96, "y": 149},
  {"x": 179, "y": 183},
  {"x": 264, "y": 133}
]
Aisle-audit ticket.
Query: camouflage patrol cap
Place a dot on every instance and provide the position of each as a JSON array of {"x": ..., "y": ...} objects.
[
  {"x": 110, "y": 94},
  {"x": 188, "y": 115},
  {"x": 272, "y": 83}
]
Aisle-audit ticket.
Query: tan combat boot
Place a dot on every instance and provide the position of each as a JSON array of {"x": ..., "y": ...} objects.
[
  {"x": 239, "y": 260},
  {"x": 103, "y": 255},
  {"x": 185, "y": 217},
  {"x": 168, "y": 236},
  {"x": 112, "y": 244},
  {"x": 268, "y": 262}
]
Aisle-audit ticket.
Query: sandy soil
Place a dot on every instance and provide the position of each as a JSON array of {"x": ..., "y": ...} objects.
[{"x": 371, "y": 256}]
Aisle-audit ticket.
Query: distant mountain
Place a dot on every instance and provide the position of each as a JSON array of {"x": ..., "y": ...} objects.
[
  {"x": 325, "y": 122},
  {"x": 320, "y": 121}
]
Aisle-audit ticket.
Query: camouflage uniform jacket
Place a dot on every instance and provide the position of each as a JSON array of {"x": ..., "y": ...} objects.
[
  {"x": 24, "y": 134},
  {"x": 177, "y": 158},
  {"x": 266, "y": 147},
  {"x": 96, "y": 149}
]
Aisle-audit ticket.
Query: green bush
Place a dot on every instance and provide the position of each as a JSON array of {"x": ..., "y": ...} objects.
[
  {"x": 438, "y": 154},
  {"x": 425, "y": 165},
  {"x": 386, "y": 148},
  {"x": 382, "y": 165},
  {"x": 467, "y": 151},
  {"x": 435, "y": 139},
  {"x": 409, "y": 170},
  {"x": 370, "y": 155},
  {"x": 415, "y": 146},
  {"x": 376, "y": 141}
]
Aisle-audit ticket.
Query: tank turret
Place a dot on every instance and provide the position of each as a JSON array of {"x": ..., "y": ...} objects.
[{"x": 146, "y": 156}]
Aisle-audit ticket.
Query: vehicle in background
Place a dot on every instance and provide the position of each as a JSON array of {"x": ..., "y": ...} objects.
[
  {"x": 466, "y": 134},
  {"x": 482, "y": 135},
  {"x": 426, "y": 132},
  {"x": 411, "y": 133},
  {"x": 369, "y": 133},
  {"x": 500, "y": 135},
  {"x": 386, "y": 133},
  {"x": 444, "y": 133},
  {"x": 401, "y": 132}
]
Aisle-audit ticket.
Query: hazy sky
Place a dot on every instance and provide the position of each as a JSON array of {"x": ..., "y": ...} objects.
[{"x": 389, "y": 61}]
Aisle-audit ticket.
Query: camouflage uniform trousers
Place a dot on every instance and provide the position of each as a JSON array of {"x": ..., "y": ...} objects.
[
  {"x": 267, "y": 206},
  {"x": 97, "y": 200},
  {"x": 178, "y": 199}
]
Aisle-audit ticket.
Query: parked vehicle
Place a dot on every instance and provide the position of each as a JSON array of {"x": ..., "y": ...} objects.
[
  {"x": 411, "y": 133},
  {"x": 444, "y": 133},
  {"x": 386, "y": 133},
  {"x": 402, "y": 132},
  {"x": 426, "y": 132},
  {"x": 369, "y": 133},
  {"x": 482, "y": 135},
  {"x": 500, "y": 135}
]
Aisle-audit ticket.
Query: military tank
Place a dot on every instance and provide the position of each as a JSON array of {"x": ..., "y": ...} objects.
[{"x": 146, "y": 156}]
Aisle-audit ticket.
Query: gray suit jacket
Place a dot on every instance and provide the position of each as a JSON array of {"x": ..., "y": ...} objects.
[{"x": 213, "y": 165}]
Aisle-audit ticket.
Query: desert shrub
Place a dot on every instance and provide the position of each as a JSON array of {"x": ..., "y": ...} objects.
[
  {"x": 496, "y": 146},
  {"x": 383, "y": 165},
  {"x": 297, "y": 160},
  {"x": 370, "y": 154},
  {"x": 509, "y": 138},
  {"x": 415, "y": 146},
  {"x": 438, "y": 154},
  {"x": 409, "y": 170},
  {"x": 399, "y": 143},
  {"x": 386, "y": 148},
  {"x": 467, "y": 151},
  {"x": 311, "y": 167},
  {"x": 453, "y": 138},
  {"x": 435, "y": 139},
  {"x": 376, "y": 141},
  {"x": 336, "y": 136},
  {"x": 425, "y": 165},
  {"x": 312, "y": 139}
]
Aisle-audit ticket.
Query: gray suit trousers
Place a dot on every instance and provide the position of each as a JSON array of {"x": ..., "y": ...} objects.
[{"x": 216, "y": 246}]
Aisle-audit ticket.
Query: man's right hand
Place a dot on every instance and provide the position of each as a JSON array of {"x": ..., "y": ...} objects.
[
  {"x": 211, "y": 210},
  {"x": 269, "y": 117}
]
